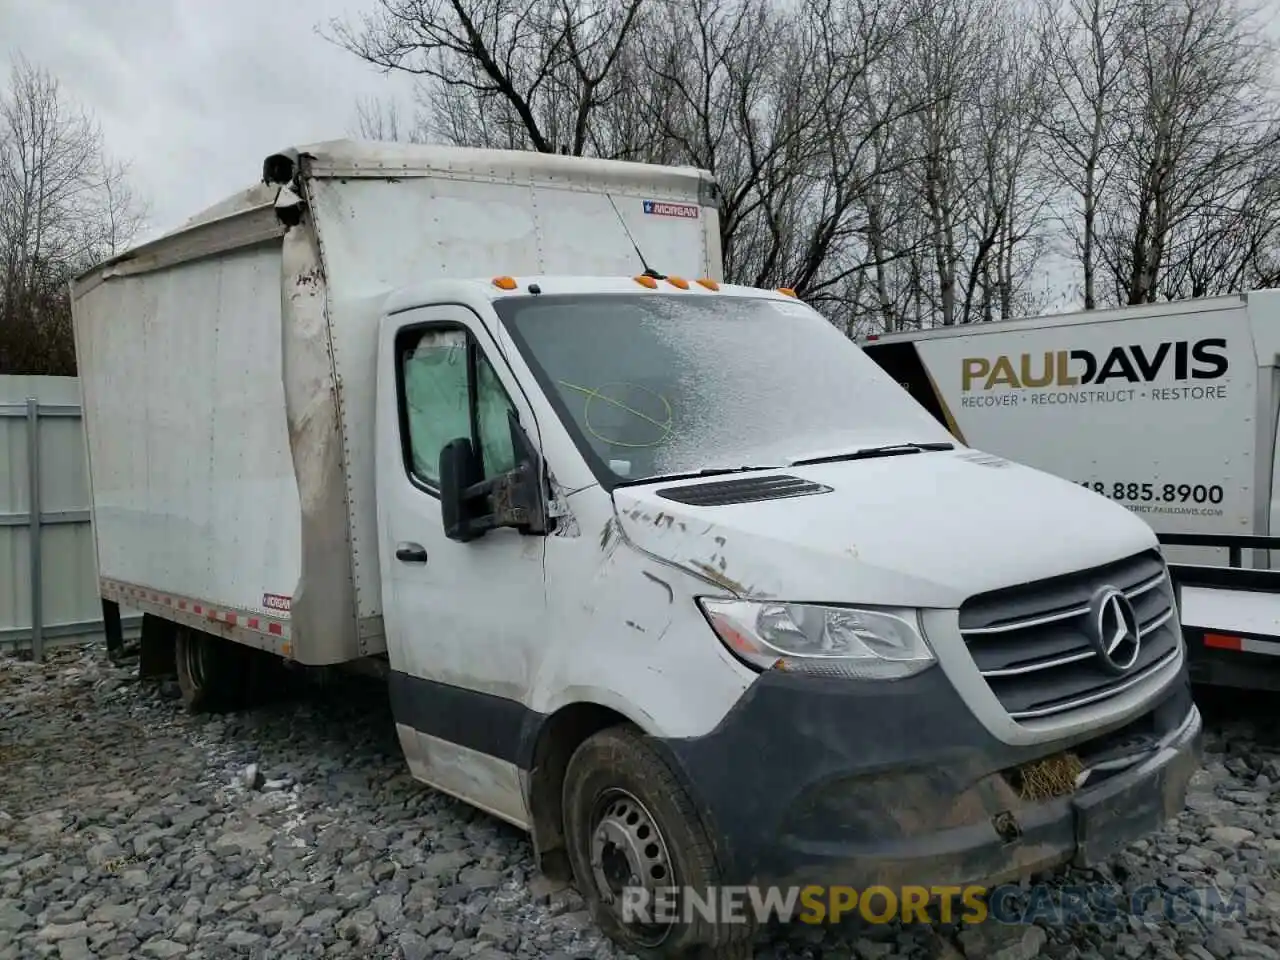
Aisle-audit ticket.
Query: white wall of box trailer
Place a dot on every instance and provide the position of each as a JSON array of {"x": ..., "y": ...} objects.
[
  {"x": 228, "y": 368},
  {"x": 1168, "y": 408}
]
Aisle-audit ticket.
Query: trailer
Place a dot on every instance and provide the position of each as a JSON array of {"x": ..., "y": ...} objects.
[
  {"x": 1171, "y": 409},
  {"x": 1230, "y": 614}
]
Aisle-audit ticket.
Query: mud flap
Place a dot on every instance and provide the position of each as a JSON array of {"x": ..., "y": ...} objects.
[
  {"x": 113, "y": 630},
  {"x": 1131, "y": 805},
  {"x": 156, "y": 648}
]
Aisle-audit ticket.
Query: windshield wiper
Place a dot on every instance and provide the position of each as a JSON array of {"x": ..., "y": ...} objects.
[
  {"x": 867, "y": 453},
  {"x": 690, "y": 475}
]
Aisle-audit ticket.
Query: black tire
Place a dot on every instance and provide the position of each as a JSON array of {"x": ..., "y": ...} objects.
[
  {"x": 212, "y": 672},
  {"x": 615, "y": 783}
]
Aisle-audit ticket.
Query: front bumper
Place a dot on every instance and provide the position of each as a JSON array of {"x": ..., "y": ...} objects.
[{"x": 812, "y": 781}]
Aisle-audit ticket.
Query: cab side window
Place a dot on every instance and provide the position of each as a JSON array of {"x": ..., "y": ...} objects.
[
  {"x": 450, "y": 390},
  {"x": 493, "y": 428}
]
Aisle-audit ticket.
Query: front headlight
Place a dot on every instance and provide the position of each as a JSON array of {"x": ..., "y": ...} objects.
[{"x": 859, "y": 644}]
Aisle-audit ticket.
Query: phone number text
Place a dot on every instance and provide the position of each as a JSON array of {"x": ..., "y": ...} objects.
[{"x": 1156, "y": 492}]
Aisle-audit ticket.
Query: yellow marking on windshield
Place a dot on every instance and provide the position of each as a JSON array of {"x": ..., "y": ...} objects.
[{"x": 595, "y": 394}]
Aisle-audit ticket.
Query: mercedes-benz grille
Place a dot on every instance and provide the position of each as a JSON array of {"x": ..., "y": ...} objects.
[{"x": 1040, "y": 646}]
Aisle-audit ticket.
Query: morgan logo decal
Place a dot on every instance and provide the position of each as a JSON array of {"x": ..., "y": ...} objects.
[
  {"x": 273, "y": 601},
  {"x": 658, "y": 208}
]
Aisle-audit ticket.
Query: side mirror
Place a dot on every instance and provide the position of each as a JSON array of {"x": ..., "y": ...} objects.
[
  {"x": 470, "y": 506},
  {"x": 459, "y": 471}
]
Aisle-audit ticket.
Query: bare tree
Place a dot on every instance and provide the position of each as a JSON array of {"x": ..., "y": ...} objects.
[
  {"x": 1200, "y": 120},
  {"x": 1009, "y": 208},
  {"x": 940, "y": 56},
  {"x": 517, "y": 73},
  {"x": 381, "y": 120},
  {"x": 1085, "y": 50},
  {"x": 763, "y": 97},
  {"x": 790, "y": 109},
  {"x": 1231, "y": 246},
  {"x": 1160, "y": 140},
  {"x": 899, "y": 165},
  {"x": 63, "y": 205},
  {"x": 745, "y": 102},
  {"x": 969, "y": 153},
  {"x": 854, "y": 44}
]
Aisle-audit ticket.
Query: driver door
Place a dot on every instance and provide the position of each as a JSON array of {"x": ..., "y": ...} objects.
[{"x": 469, "y": 618}]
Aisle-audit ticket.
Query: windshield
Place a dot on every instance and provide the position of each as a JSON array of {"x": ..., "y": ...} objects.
[{"x": 656, "y": 384}]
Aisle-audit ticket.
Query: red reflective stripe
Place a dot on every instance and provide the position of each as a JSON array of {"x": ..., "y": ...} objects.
[
  {"x": 1220, "y": 641},
  {"x": 230, "y": 617}
]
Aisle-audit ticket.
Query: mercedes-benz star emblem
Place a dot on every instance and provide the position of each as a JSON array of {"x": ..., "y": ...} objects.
[{"x": 1114, "y": 630}]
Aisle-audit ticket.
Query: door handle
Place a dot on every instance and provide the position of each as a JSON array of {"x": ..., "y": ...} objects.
[{"x": 411, "y": 553}]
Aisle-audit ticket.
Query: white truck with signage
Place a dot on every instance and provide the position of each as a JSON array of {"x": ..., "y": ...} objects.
[
  {"x": 663, "y": 570},
  {"x": 1170, "y": 409}
]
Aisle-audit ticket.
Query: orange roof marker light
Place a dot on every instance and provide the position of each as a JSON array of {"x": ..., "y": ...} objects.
[
  {"x": 786, "y": 291},
  {"x": 649, "y": 282},
  {"x": 504, "y": 283},
  {"x": 708, "y": 283},
  {"x": 678, "y": 282}
]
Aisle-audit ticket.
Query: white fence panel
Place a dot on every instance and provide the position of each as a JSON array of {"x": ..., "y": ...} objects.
[{"x": 48, "y": 573}]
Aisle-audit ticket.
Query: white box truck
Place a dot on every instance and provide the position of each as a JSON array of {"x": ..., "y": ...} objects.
[
  {"x": 662, "y": 570},
  {"x": 1170, "y": 409}
]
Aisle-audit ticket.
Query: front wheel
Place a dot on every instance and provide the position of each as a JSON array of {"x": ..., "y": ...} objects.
[{"x": 637, "y": 847}]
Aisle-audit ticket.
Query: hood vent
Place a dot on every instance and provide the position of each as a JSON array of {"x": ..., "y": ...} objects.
[{"x": 723, "y": 493}]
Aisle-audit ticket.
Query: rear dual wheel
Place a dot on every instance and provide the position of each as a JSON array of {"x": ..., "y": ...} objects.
[
  {"x": 635, "y": 841},
  {"x": 216, "y": 674}
]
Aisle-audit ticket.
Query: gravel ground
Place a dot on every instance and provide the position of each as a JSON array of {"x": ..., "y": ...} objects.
[{"x": 129, "y": 828}]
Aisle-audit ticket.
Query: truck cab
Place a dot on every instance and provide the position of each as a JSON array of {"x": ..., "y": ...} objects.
[{"x": 679, "y": 580}]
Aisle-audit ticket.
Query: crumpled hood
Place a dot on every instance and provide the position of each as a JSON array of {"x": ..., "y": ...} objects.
[{"x": 921, "y": 530}]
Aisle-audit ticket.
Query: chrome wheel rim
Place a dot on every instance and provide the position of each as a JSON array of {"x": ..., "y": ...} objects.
[{"x": 193, "y": 654}]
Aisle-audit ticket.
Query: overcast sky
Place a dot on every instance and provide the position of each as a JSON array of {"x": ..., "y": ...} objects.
[{"x": 195, "y": 93}]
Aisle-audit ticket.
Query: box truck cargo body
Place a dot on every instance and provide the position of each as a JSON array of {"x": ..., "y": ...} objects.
[
  {"x": 1171, "y": 409},
  {"x": 230, "y": 367},
  {"x": 661, "y": 569}
]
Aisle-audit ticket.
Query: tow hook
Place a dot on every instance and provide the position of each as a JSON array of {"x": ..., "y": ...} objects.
[{"x": 1006, "y": 826}]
